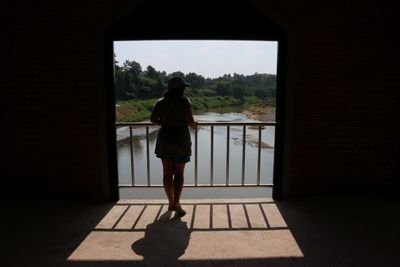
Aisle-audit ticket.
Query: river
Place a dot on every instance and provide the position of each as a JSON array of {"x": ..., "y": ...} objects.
[{"x": 235, "y": 167}]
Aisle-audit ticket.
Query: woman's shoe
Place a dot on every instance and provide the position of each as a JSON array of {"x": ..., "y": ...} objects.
[{"x": 178, "y": 210}]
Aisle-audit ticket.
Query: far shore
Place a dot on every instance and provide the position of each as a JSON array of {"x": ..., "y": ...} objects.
[
  {"x": 140, "y": 110},
  {"x": 264, "y": 114}
]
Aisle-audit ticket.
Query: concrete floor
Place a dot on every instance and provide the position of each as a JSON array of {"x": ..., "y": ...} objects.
[{"x": 361, "y": 231}]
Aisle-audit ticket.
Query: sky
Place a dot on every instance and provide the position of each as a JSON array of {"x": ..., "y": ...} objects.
[{"x": 208, "y": 58}]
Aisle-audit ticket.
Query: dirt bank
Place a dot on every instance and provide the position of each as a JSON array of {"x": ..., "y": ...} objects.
[{"x": 265, "y": 114}]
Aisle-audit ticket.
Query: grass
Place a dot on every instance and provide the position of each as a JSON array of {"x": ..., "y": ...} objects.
[{"x": 134, "y": 110}]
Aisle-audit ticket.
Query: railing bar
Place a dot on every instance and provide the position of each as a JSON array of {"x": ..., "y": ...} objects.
[
  {"x": 132, "y": 157},
  {"x": 259, "y": 155},
  {"x": 227, "y": 154},
  {"x": 196, "y": 183},
  {"x": 195, "y": 157},
  {"x": 212, "y": 157},
  {"x": 200, "y": 185},
  {"x": 272, "y": 123},
  {"x": 243, "y": 154},
  {"x": 148, "y": 155}
]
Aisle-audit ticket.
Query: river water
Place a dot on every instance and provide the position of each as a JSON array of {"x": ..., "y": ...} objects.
[{"x": 204, "y": 137}]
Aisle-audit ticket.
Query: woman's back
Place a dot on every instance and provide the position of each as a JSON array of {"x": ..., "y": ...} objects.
[
  {"x": 174, "y": 136},
  {"x": 172, "y": 111}
]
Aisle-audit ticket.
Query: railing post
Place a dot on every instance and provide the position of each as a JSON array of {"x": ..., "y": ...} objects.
[
  {"x": 195, "y": 157},
  {"x": 212, "y": 157},
  {"x": 259, "y": 155},
  {"x": 227, "y": 155},
  {"x": 243, "y": 154},
  {"x": 148, "y": 156},
  {"x": 132, "y": 157}
]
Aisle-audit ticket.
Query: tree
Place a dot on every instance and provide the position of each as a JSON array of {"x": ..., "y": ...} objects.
[
  {"x": 261, "y": 92},
  {"x": 163, "y": 75},
  {"x": 151, "y": 72},
  {"x": 131, "y": 82},
  {"x": 144, "y": 92},
  {"x": 131, "y": 92},
  {"x": 159, "y": 88},
  {"x": 238, "y": 92},
  {"x": 227, "y": 77},
  {"x": 223, "y": 88},
  {"x": 133, "y": 67},
  {"x": 195, "y": 80},
  {"x": 118, "y": 84},
  {"x": 127, "y": 87}
]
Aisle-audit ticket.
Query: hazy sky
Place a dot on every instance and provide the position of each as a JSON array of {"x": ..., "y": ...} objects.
[{"x": 208, "y": 58}]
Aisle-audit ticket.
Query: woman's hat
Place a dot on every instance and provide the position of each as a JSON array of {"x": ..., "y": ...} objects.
[{"x": 177, "y": 82}]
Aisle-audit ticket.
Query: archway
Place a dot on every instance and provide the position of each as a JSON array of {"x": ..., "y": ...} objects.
[{"x": 177, "y": 20}]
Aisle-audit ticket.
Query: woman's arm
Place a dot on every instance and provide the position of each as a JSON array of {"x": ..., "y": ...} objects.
[
  {"x": 189, "y": 118},
  {"x": 155, "y": 115}
]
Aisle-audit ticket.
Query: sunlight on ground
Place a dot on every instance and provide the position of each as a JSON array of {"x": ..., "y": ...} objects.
[{"x": 213, "y": 230}]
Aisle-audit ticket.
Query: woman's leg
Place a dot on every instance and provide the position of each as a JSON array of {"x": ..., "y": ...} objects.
[
  {"x": 168, "y": 171},
  {"x": 178, "y": 182}
]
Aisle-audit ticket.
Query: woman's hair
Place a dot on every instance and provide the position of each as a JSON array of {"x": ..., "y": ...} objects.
[{"x": 175, "y": 92}]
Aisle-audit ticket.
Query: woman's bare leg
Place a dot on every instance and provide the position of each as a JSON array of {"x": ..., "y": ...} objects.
[
  {"x": 168, "y": 171},
  {"x": 178, "y": 182}
]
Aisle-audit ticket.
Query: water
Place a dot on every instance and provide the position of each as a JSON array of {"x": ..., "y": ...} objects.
[{"x": 220, "y": 142}]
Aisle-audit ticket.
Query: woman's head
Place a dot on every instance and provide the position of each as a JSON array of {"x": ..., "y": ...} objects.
[{"x": 176, "y": 86}]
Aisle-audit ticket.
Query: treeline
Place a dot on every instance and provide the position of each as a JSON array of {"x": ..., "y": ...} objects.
[{"x": 132, "y": 82}]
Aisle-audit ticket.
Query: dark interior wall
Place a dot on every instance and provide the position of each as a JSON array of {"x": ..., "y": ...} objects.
[
  {"x": 53, "y": 99},
  {"x": 342, "y": 98}
]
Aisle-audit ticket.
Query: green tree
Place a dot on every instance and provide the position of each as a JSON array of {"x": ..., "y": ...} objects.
[
  {"x": 128, "y": 88},
  {"x": 133, "y": 67},
  {"x": 131, "y": 92},
  {"x": 261, "y": 92},
  {"x": 160, "y": 88},
  {"x": 223, "y": 88},
  {"x": 151, "y": 72},
  {"x": 118, "y": 84},
  {"x": 131, "y": 82},
  {"x": 195, "y": 80},
  {"x": 238, "y": 92}
]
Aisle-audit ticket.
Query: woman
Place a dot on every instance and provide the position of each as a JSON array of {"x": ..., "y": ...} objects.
[{"x": 174, "y": 113}]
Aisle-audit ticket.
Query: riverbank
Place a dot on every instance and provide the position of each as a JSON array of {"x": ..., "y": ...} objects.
[
  {"x": 260, "y": 113},
  {"x": 253, "y": 107}
]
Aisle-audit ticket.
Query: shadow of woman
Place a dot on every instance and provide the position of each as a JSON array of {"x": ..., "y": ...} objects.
[{"x": 164, "y": 241}]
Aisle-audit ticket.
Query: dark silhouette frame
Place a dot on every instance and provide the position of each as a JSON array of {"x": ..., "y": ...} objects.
[{"x": 210, "y": 20}]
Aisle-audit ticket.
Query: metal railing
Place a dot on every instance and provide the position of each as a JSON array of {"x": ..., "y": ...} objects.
[{"x": 260, "y": 126}]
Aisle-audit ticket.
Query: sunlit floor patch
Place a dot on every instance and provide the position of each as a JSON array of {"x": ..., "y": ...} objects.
[{"x": 210, "y": 231}]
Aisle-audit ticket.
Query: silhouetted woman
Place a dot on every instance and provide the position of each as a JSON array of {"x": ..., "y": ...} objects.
[{"x": 174, "y": 113}]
